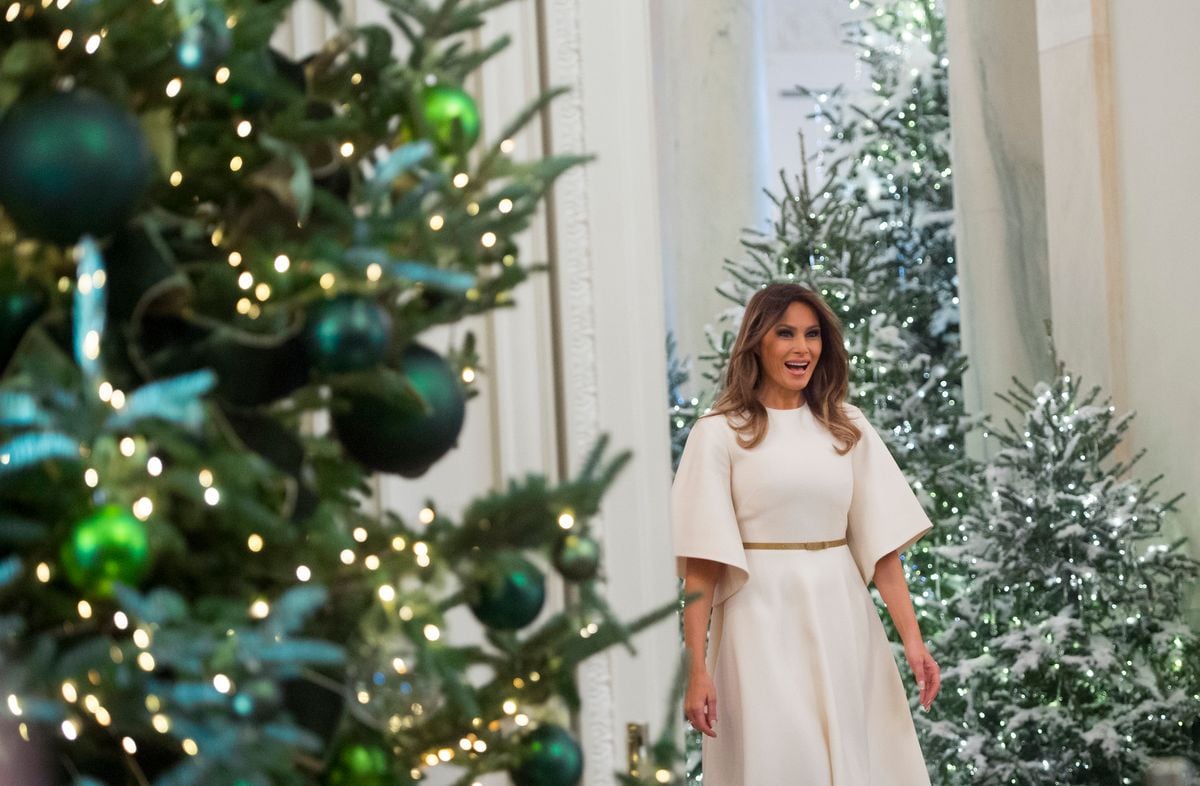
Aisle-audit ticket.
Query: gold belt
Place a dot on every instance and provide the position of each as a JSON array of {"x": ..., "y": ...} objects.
[{"x": 812, "y": 545}]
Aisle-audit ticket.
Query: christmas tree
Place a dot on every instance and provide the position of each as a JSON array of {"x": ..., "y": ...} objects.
[
  {"x": 892, "y": 144},
  {"x": 1067, "y": 660},
  {"x": 207, "y": 251}
]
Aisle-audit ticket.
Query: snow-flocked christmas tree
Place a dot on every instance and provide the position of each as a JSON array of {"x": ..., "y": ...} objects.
[{"x": 1066, "y": 658}]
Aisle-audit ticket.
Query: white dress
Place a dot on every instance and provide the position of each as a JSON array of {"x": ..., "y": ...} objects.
[{"x": 808, "y": 692}]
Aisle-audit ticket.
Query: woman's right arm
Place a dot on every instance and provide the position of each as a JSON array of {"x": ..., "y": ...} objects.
[{"x": 700, "y": 702}]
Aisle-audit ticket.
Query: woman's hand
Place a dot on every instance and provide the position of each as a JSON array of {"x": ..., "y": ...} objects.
[
  {"x": 700, "y": 703},
  {"x": 926, "y": 670}
]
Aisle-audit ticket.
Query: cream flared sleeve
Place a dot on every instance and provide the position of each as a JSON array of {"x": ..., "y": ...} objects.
[
  {"x": 885, "y": 515},
  {"x": 703, "y": 524}
]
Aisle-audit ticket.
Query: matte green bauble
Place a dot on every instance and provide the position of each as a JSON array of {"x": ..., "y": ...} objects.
[
  {"x": 507, "y": 592},
  {"x": 451, "y": 116},
  {"x": 19, "y": 309},
  {"x": 107, "y": 547},
  {"x": 71, "y": 164},
  {"x": 348, "y": 333},
  {"x": 576, "y": 557},
  {"x": 394, "y": 436},
  {"x": 360, "y": 764},
  {"x": 549, "y": 757}
]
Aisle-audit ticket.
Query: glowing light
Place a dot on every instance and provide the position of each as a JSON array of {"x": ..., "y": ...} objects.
[
  {"x": 235, "y": 163},
  {"x": 505, "y": 206},
  {"x": 91, "y": 477},
  {"x": 174, "y": 86},
  {"x": 303, "y": 573},
  {"x": 143, "y": 508},
  {"x": 254, "y": 542},
  {"x": 566, "y": 520},
  {"x": 259, "y": 609},
  {"x": 222, "y": 683},
  {"x": 244, "y": 128},
  {"x": 282, "y": 263}
]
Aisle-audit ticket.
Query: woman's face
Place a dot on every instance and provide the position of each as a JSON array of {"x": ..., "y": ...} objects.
[{"x": 789, "y": 351}]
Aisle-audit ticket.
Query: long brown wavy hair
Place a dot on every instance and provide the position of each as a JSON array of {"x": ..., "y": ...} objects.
[{"x": 827, "y": 388}]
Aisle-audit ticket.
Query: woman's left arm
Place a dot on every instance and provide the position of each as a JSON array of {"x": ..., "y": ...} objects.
[{"x": 893, "y": 588}]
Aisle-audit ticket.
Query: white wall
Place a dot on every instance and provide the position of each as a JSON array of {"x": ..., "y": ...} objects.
[{"x": 1155, "y": 63}]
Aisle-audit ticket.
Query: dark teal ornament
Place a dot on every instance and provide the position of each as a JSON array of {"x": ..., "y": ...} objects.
[
  {"x": 452, "y": 116},
  {"x": 71, "y": 164},
  {"x": 360, "y": 764},
  {"x": 19, "y": 309},
  {"x": 205, "y": 43},
  {"x": 549, "y": 757},
  {"x": 257, "y": 699},
  {"x": 348, "y": 333},
  {"x": 507, "y": 592},
  {"x": 576, "y": 557},
  {"x": 398, "y": 435},
  {"x": 107, "y": 547}
]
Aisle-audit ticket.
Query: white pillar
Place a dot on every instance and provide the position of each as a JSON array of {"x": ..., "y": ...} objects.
[
  {"x": 710, "y": 99},
  {"x": 608, "y": 280},
  {"x": 999, "y": 197}
]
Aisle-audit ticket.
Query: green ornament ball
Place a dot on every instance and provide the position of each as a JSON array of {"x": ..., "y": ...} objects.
[
  {"x": 451, "y": 116},
  {"x": 507, "y": 592},
  {"x": 348, "y": 333},
  {"x": 107, "y": 547},
  {"x": 71, "y": 164},
  {"x": 576, "y": 557},
  {"x": 360, "y": 764},
  {"x": 549, "y": 757},
  {"x": 399, "y": 436}
]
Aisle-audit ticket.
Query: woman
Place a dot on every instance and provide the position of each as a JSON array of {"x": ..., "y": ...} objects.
[{"x": 786, "y": 505}]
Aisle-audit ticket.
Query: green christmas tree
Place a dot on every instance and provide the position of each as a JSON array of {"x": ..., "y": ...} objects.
[
  {"x": 1067, "y": 659},
  {"x": 203, "y": 245}
]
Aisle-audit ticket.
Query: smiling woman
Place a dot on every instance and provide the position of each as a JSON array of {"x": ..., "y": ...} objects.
[{"x": 780, "y": 531}]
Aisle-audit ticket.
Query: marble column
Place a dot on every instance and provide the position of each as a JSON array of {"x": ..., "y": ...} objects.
[
  {"x": 1083, "y": 222},
  {"x": 710, "y": 103},
  {"x": 1000, "y": 201}
]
